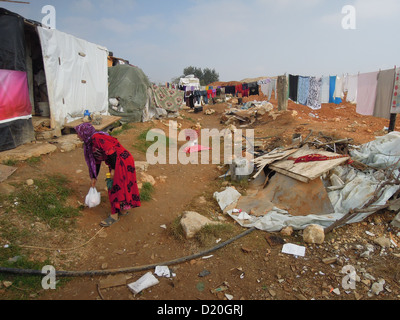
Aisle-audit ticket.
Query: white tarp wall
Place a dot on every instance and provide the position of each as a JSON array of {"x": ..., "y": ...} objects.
[{"x": 77, "y": 76}]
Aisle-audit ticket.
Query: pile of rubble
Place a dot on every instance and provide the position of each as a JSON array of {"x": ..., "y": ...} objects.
[{"x": 249, "y": 113}]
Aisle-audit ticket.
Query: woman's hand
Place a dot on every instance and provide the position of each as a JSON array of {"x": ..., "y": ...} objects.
[{"x": 93, "y": 184}]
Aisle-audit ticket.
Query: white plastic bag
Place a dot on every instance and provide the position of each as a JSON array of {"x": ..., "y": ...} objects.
[{"x": 93, "y": 199}]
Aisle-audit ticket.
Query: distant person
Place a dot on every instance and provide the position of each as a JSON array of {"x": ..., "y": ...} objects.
[{"x": 99, "y": 147}]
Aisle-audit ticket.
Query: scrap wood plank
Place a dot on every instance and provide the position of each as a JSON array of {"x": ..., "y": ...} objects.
[
  {"x": 308, "y": 171},
  {"x": 265, "y": 160},
  {"x": 5, "y": 172},
  {"x": 107, "y": 121}
]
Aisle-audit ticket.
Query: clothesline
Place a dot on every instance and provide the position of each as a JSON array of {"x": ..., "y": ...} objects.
[{"x": 374, "y": 93}]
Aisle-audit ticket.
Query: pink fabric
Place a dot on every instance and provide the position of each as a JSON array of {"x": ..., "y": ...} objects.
[
  {"x": 197, "y": 148},
  {"x": 366, "y": 93},
  {"x": 14, "y": 95}
]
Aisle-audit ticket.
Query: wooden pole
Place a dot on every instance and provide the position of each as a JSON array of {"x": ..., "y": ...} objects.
[{"x": 282, "y": 93}]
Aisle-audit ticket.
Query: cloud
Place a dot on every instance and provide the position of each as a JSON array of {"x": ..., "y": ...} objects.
[
  {"x": 82, "y": 6},
  {"x": 372, "y": 9}
]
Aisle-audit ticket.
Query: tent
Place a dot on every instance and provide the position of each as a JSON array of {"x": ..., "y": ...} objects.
[
  {"x": 134, "y": 98},
  {"x": 45, "y": 72},
  {"x": 130, "y": 94},
  {"x": 15, "y": 107}
]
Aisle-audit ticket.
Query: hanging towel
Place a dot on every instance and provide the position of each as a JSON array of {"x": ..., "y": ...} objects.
[
  {"x": 338, "y": 89},
  {"x": 332, "y": 88},
  {"x": 313, "y": 100},
  {"x": 303, "y": 90},
  {"x": 351, "y": 85},
  {"x": 384, "y": 93},
  {"x": 396, "y": 93},
  {"x": 265, "y": 88},
  {"x": 366, "y": 93},
  {"x": 324, "y": 96},
  {"x": 293, "y": 87}
]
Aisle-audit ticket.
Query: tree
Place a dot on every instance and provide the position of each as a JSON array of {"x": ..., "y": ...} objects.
[{"x": 209, "y": 76}]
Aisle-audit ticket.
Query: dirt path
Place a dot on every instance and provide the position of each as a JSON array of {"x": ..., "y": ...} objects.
[{"x": 251, "y": 268}]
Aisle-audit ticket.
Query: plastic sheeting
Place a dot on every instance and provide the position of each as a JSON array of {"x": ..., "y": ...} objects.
[
  {"x": 16, "y": 133},
  {"x": 14, "y": 96},
  {"x": 77, "y": 76},
  {"x": 12, "y": 41},
  {"x": 357, "y": 189},
  {"x": 131, "y": 87}
]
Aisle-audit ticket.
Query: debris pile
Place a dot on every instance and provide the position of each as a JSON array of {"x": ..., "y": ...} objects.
[
  {"x": 305, "y": 185},
  {"x": 249, "y": 113}
]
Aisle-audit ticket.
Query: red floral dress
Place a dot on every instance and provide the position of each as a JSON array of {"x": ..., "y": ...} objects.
[{"x": 124, "y": 194}]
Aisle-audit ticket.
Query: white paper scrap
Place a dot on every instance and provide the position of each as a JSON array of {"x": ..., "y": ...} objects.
[
  {"x": 162, "y": 271},
  {"x": 293, "y": 249},
  {"x": 145, "y": 282}
]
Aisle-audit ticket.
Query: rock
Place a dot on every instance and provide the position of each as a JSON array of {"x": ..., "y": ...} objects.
[
  {"x": 288, "y": 231},
  {"x": 162, "y": 179},
  {"x": 141, "y": 166},
  {"x": 314, "y": 234},
  {"x": 6, "y": 189},
  {"x": 396, "y": 221},
  {"x": 192, "y": 222},
  {"x": 383, "y": 242},
  {"x": 377, "y": 287},
  {"x": 30, "y": 182},
  {"x": 336, "y": 291},
  {"x": 27, "y": 151},
  {"x": 329, "y": 260},
  {"x": 7, "y": 284},
  {"x": 144, "y": 177}
]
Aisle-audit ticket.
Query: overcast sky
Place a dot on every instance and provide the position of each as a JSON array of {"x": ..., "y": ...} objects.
[{"x": 240, "y": 39}]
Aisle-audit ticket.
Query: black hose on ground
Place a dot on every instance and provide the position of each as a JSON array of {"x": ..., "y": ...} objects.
[{"x": 70, "y": 274}]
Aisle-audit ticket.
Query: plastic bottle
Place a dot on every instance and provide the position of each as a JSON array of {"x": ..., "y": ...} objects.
[{"x": 109, "y": 181}]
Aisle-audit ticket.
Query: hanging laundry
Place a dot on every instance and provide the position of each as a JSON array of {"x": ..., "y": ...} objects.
[
  {"x": 303, "y": 89},
  {"x": 263, "y": 81},
  {"x": 253, "y": 89},
  {"x": 366, "y": 93},
  {"x": 338, "y": 94},
  {"x": 264, "y": 87},
  {"x": 230, "y": 90},
  {"x": 384, "y": 93},
  {"x": 239, "y": 89},
  {"x": 325, "y": 87},
  {"x": 396, "y": 93},
  {"x": 273, "y": 87},
  {"x": 332, "y": 88},
  {"x": 293, "y": 87},
  {"x": 246, "y": 90},
  {"x": 350, "y": 86},
  {"x": 313, "y": 100}
]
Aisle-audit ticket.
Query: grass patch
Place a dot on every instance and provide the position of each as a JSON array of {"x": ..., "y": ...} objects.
[
  {"x": 118, "y": 131},
  {"x": 10, "y": 163},
  {"x": 33, "y": 160},
  {"x": 176, "y": 229},
  {"x": 146, "y": 192},
  {"x": 142, "y": 145},
  {"x": 208, "y": 235},
  {"x": 46, "y": 200},
  {"x": 23, "y": 287}
]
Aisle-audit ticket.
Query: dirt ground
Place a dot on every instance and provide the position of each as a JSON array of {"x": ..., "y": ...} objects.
[{"x": 251, "y": 268}]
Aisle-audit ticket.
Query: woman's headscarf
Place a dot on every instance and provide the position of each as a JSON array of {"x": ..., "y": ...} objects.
[{"x": 86, "y": 132}]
